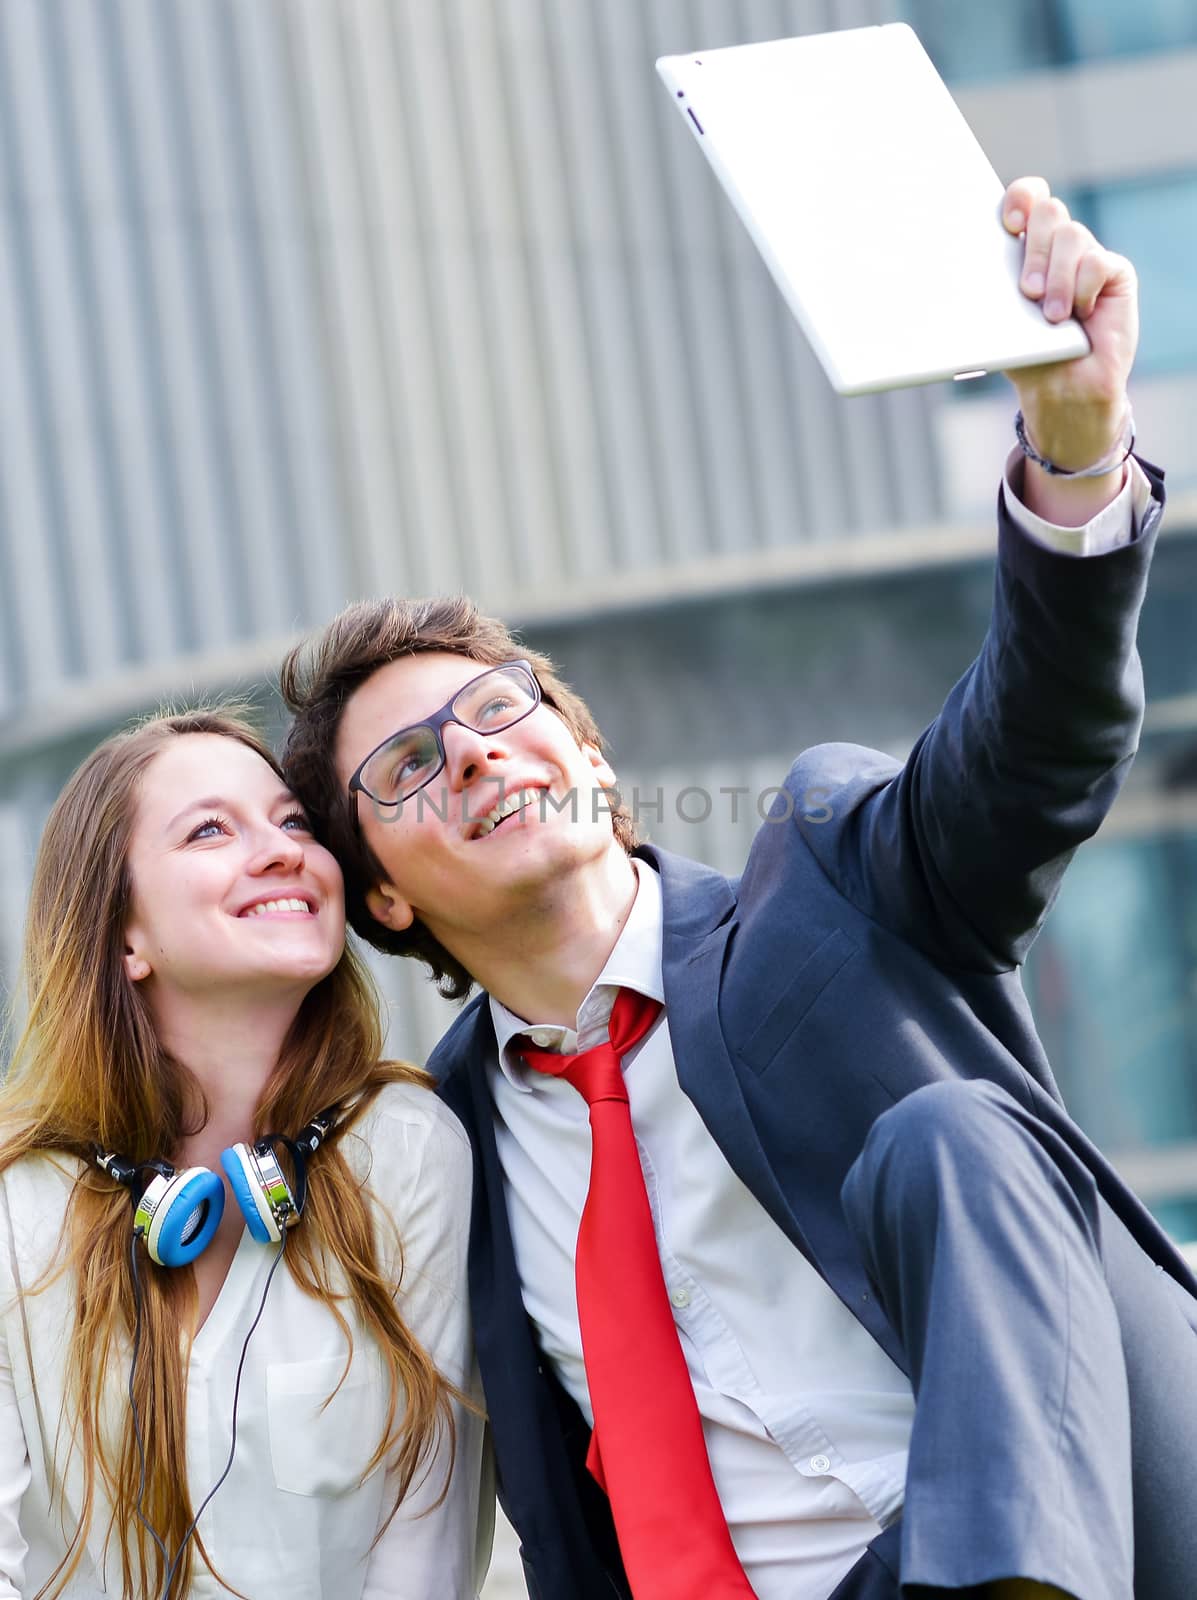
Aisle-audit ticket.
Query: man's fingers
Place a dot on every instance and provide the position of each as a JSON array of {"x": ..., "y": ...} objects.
[
  {"x": 1097, "y": 267},
  {"x": 1073, "y": 404},
  {"x": 1045, "y": 220},
  {"x": 1020, "y": 198},
  {"x": 1063, "y": 264},
  {"x": 1070, "y": 246}
]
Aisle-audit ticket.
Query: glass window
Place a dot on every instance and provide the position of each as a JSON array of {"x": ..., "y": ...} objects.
[
  {"x": 1154, "y": 222},
  {"x": 972, "y": 41},
  {"x": 1097, "y": 29},
  {"x": 1113, "y": 985}
]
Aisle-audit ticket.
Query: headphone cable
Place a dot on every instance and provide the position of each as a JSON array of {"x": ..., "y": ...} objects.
[{"x": 228, "y": 1466}]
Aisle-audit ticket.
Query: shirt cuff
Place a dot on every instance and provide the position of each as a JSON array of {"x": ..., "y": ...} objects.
[{"x": 1117, "y": 524}]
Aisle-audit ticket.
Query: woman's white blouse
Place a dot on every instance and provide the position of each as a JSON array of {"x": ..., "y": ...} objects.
[{"x": 291, "y": 1517}]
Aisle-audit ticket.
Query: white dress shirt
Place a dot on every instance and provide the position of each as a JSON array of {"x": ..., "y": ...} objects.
[
  {"x": 290, "y": 1518},
  {"x": 1116, "y": 525},
  {"x": 807, "y": 1421}
]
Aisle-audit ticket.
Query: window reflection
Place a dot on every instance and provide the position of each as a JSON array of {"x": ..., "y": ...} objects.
[
  {"x": 1154, "y": 222},
  {"x": 1097, "y": 29},
  {"x": 972, "y": 41},
  {"x": 1113, "y": 985}
]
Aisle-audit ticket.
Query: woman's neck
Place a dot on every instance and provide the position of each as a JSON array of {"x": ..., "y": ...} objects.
[{"x": 231, "y": 1049}]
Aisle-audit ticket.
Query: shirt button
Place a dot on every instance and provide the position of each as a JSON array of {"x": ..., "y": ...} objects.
[
  {"x": 680, "y": 1298},
  {"x": 820, "y": 1464},
  {"x": 544, "y": 1037}
]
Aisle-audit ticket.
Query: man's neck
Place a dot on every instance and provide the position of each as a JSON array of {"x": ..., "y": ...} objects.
[{"x": 553, "y": 951}]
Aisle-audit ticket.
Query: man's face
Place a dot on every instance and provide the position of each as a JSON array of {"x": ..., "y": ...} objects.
[{"x": 450, "y": 858}]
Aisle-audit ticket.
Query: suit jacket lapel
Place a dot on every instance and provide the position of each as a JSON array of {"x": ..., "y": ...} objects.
[
  {"x": 699, "y": 928},
  {"x": 502, "y": 1338},
  {"x": 540, "y": 1436},
  {"x": 699, "y": 924}
]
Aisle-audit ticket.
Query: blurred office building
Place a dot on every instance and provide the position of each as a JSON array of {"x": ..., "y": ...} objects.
[{"x": 302, "y": 302}]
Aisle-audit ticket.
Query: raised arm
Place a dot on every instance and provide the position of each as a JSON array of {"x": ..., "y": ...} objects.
[{"x": 962, "y": 848}]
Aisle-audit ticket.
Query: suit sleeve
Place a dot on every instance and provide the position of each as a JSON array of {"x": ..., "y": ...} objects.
[{"x": 961, "y": 848}]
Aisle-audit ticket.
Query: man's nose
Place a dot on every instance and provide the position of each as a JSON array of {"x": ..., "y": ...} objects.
[{"x": 468, "y": 753}]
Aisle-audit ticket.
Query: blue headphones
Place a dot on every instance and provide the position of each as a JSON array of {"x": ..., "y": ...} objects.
[{"x": 176, "y": 1213}]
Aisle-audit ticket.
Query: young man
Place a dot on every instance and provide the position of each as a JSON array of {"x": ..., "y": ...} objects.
[{"x": 798, "y": 1281}]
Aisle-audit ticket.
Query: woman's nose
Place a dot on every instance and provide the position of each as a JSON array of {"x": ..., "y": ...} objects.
[{"x": 280, "y": 849}]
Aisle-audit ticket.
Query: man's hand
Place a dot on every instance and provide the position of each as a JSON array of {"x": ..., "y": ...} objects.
[{"x": 1074, "y": 410}]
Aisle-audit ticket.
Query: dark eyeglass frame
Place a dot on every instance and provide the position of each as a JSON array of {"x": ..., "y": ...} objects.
[{"x": 434, "y": 723}]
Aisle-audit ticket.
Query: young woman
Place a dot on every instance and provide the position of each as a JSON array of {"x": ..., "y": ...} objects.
[{"x": 232, "y": 1240}]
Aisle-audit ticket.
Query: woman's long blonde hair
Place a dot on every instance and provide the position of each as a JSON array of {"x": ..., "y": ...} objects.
[{"x": 88, "y": 1069}]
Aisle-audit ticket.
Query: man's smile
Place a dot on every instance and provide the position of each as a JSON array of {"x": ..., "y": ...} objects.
[{"x": 507, "y": 806}]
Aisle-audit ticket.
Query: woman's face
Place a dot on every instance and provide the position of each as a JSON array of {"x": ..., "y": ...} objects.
[{"x": 231, "y": 893}]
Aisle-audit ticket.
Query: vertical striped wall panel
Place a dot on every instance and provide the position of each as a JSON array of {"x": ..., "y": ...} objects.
[{"x": 303, "y": 300}]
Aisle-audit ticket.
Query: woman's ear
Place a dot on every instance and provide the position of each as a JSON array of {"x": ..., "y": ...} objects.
[{"x": 136, "y": 966}]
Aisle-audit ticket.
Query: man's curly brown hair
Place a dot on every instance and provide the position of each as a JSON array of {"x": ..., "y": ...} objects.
[{"x": 318, "y": 678}]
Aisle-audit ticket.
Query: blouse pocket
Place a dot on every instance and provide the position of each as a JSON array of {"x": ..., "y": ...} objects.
[{"x": 318, "y": 1445}]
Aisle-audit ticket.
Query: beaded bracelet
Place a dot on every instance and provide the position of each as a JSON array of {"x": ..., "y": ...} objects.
[{"x": 1108, "y": 463}]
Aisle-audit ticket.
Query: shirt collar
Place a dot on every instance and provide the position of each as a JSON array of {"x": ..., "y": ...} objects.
[{"x": 634, "y": 963}]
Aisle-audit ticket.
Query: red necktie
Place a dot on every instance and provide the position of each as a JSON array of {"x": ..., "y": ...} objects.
[{"x": 647, "y": 1450}]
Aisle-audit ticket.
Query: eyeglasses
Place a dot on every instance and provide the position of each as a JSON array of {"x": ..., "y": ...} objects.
[{"x": 404, "y": 763}]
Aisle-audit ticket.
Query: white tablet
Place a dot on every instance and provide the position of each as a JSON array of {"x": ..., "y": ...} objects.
[{"x": 872, "y": 203}]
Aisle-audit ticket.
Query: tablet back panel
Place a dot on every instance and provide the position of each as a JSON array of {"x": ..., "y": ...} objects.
[{"x": 872, "y": 203}]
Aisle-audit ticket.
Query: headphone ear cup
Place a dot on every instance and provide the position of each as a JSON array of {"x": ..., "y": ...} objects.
[
  {"x": 251, "y": 1192},
  {"x": 178, "y": 1214}
]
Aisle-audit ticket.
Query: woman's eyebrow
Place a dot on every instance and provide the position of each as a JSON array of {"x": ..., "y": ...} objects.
[
  {"x": 210, "y": 803},
  {"x": 216, "y": 802}
]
